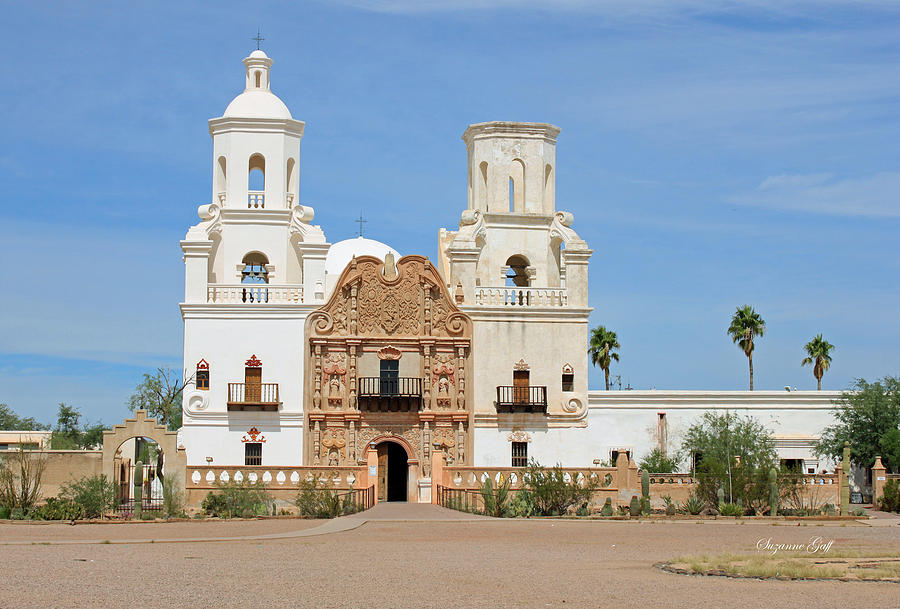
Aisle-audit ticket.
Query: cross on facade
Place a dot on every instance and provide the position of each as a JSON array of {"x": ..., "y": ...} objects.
[
  {"x": 361, "y": 222},
  {"x": 258, "y": 39}
]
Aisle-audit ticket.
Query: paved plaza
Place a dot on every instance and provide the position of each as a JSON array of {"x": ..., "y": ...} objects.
[{"x": 401, "y": 555}]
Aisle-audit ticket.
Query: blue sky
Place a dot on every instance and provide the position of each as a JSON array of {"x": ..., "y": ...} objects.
[{"x": 713, "y": 153}]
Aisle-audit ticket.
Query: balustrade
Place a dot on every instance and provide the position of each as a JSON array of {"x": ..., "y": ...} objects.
[
  {"x": 250, "y": 293},
  {"x": 256, "y": 199},
  {"x": 510, "y": 296},
  {"x": 253, "y": 396},
  {"x": 211, "y": 476}
]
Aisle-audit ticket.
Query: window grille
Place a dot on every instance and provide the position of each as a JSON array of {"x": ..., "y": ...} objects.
[
  {"x": 253, "y": 453},
  {"x": 519, "y": 454}
]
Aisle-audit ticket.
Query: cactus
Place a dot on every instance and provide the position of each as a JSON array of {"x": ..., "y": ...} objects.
[
  {"x": 720, "y": 495},
  {"x": 138, "y": 489},
  {"x": 645, "y": 490},
  {"x": 634, "y": 507},
  {"x": 607, "y": 509},
  {"x": 773, "y": 492}
]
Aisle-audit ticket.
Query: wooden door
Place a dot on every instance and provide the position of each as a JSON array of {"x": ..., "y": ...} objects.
[
  {"x": 520, "y": 386},
  {"x": 382, "y": 472},
  {"x": 252, "y": 384}
]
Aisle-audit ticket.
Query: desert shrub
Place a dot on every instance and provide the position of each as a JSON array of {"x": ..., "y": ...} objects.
[
  {"x": 730, "y": 509},
  {"x": 20, "y": 479},
  {"x": 659, "y": 462},
  {"x": 4, "y": 512},
  {"x": 317, "y": 499},
  {"x": 173, "y": 497},
  {"x": 94, "y": 494},
  {"x": 521, "y": 505},
  {"x": 551, "y": 493},
  {"x": 231, "y": 499},
  {"x": 692, "y": 505},
  {"x": 17, "y": 513},
  {"x": 56, "y": 508},
  {"x": 669, "y": 505},
  {"x": 495, "y": 498},
  {"x": 890, "y": 498}
]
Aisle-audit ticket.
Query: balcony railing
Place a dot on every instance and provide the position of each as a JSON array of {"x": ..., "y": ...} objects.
[
  {"x": 390, "y": 394},
  {"x": 510, "y": 296},
  {"x": 256, "y": 199},
  {"x": 253, "y": 396},
  {"x": 523, "y": 398},
  {"x": 253, "y": 293}
]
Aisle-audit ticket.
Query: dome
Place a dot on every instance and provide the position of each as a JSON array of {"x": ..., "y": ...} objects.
[
  {"x": 259, "y": 54},
  {"x": 257, "y": 104},
  {"x": 342, "y": 252}
]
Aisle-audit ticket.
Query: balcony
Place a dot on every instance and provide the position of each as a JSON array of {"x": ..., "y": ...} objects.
[
  {"x": 522, "y": 398},
  {"x": 253, "y": 397},
  {"x": 397, "y": 394},
  {"x": 511, "y": 296},
  {"x": 256, "y": 199},
  {"x": 255, "y": 293}
]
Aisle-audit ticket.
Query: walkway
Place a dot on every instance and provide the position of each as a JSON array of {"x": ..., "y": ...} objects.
[{"x": 383, "y": 512}]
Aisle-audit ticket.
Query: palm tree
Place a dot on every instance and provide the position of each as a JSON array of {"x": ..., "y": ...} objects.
[
  {"x": 818, "y": 353},
  {"x": 602, "y": 349},
  {"x": 745, "y": 325}
]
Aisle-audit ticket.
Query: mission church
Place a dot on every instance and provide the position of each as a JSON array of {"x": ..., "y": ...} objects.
[{"x": 304, "y": 352}]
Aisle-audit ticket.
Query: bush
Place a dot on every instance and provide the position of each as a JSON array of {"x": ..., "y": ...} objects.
[
  {"x": 20, "y": 479},
  {"x": 317, "y": 499},
  {"x": 730, "y": 509},
  {"x": 658, "y": 462},
  {"x": 233, "y": 498},
  {"x": 173, "y": 497},
  {"x": 4, "y": 512},
  {"x": 551, "y": 494},
  {"x": 890, "y": 499},
  {"x": 17, "y": 513},
  {"x": 495, "y": 499},
  {"x": 693, "y": 505},
  {"x": 521, "y": 505},
  {"x": 94, "y": 494},
  {"x": 56, "y": 508}
]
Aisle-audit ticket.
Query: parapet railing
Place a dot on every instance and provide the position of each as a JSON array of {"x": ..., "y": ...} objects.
[
  {"x": 273, "y": 477},
  {"x": 510, "y": 296},
  {"x": 251, "y": 293}
]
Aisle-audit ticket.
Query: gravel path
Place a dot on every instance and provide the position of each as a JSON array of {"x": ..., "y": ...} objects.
[{"x": 417, "y": 563}]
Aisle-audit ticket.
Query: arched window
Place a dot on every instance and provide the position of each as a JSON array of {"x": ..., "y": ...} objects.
[
  {"x": 517, "y": 274},
  {"x": 291, "y": 184},
  {"x": 517, "y": 186},
  {"x": 549, "y": 190},
  {"x": 568, "y": 378},
  {"x": 256, "y": 183},
  {"x": 258, "y": 79},
  {"x": 202, "y": 377},
  {"x": 220, "y": 176}
]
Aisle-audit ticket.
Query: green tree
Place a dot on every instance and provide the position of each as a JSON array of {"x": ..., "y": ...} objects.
[
  {"x": 10, "y": 421},
  {"x": 160, "y": 395},
  {"x": 659, "y": 462},
  {"x": 818, "y": 354},
  {"x": 67, "y": 434},
  {"x": 868, "y": 416},
  {"x": 602, "y": 349},
  {"x": 733, "y": 453},
  {"x": 746, "y": 324}
]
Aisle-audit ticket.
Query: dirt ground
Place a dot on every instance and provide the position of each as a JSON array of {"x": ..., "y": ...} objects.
[{"x": 415, "y": 562}]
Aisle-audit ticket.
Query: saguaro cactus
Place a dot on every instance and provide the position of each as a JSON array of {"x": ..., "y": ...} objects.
[
  {"x": 845, "y": 481},
  {"x": 634, "y": 508},
  {"x": 720, "y": 495},
  {"x": 773, "y": 492},
  {"x": 138, "y": 489},
  {"x": 607, "y": 508},
  {"x": 645, "y": 492}
]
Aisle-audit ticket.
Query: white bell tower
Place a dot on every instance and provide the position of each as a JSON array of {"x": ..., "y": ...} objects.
[{"x": 254, "y": 269}]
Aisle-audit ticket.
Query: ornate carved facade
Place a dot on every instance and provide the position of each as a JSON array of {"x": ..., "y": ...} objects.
[{"x": 395, "y": 318}]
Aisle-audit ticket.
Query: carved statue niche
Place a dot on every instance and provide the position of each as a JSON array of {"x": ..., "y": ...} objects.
[
  {"x": 445, "y": 439},
  {"x": 443, "y": 379},
  {"x": 333, "y": 442},
  {"x": 335, "y": 369}
]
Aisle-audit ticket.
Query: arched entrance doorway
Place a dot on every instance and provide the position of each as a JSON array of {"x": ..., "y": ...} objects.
[
  {"x": 393, "y": 472},
  {"x": 132, "y": 451}
]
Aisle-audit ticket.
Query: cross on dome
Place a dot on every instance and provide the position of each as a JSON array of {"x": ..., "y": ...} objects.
[{"x": 258, "y": 39}]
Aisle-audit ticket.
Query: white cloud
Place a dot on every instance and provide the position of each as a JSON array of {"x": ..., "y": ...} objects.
[{"x": 875, "y": 195}]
